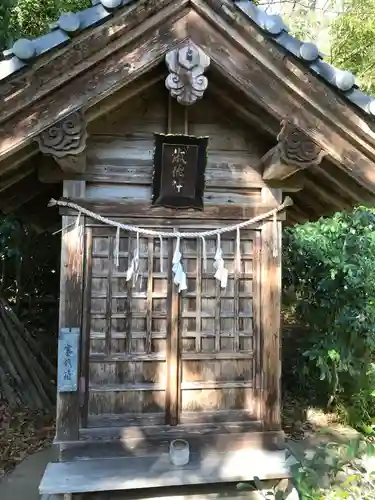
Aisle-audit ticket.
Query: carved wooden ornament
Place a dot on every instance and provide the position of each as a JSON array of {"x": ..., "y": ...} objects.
[
  {"x": 297, "y": 148},
  {"x": 66, "y": 142},
  {"x": 186, "y": 80},
  {"x": 295, "y": 151}
]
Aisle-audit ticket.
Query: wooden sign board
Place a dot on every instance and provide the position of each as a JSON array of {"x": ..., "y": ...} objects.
[
  {"x": 68, "y": 352},
  {"x": 179, "y": 171}
]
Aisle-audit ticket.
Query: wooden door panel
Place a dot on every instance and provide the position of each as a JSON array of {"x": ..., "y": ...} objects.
[
  {"x": 218, "y": 331},
  {"x": 127, "y": 373},
  {"x": 217, "y": 400},
  {"x": 156, "y": 357}
]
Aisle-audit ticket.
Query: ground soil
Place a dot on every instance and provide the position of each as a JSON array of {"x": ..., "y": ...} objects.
[{"x": 22, "y": 433}]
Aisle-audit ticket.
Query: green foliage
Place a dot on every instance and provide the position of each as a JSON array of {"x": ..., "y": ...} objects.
[
  {"x": 304, "y": 23},
  {"x": 5, "y": 15},
  {"x": 337, "y": 471},
  {"x": 329, "y": 278},
  {"x": 332, "y": 471},
  {"x": 31, "y": 18},
  {"x": 29, "y": 278},
  {"x": 352, "y": 41},
  {"x": 9, "y": 235},
  {"x": 274, "y": 493}
]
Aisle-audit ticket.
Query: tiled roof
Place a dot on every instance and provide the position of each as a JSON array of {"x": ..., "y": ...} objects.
[
  {"x": 24, "y": 51},
  {"x": 308, "y": 53}
]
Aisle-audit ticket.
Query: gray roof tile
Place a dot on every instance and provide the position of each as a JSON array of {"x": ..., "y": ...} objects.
[
  {"x": 69, "y": 24},
  {"x": 93, "y": 16},
  {"x": 51, "y": 40},
  {"x": 10, "y": 66}
]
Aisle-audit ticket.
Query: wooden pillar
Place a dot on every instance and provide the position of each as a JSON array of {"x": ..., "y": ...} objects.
[
  {"x": 271, "y": 315},
  {"x": 71, "y": 291}
]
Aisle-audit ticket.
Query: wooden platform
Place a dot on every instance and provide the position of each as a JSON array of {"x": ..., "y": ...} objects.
[{"x": 116, "y": 474}]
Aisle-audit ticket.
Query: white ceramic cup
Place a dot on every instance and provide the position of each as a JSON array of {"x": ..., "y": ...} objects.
[{"x": 179, "y": 452}]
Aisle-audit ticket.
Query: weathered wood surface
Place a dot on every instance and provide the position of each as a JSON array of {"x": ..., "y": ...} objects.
[
  {"x": 71, "y": 295},
  {"x": 156, "y": 471},
  {"x": 153, "y": 354},
  {"x": 121, "y": 148},
  {"x": 86, "y": 327},
  {"x": 129, "y": 356},
  {"x": 257, "y": 70},
  {"x": 66, "y": 142},
  {"x": 127, "y": 321},
  {"x": 140, "y": 55},
  {"x": 136, "y": 444},
  {"x": 287, "y": 78},
  {"x": 173, "y": 349},
  {"x": 186, "y": 65},
  {"x": 118, "y": 427},
  {"x": 83, "y": 52},
  {"x": 294, "y": 151},
  {"x": 270, "y": 314},
  {"x": 221, "y": 323},
  {"x": 130, "y": 212}
]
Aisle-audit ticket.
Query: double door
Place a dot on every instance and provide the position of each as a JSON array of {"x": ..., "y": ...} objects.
[{"x": 156, "y": 357}]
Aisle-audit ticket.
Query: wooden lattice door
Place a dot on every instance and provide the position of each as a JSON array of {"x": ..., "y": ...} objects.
[
  {"x": 219, "y": 332},
  {"x": 155, "y": 357}
]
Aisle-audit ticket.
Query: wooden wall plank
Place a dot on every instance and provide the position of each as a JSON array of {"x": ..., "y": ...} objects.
[
  {"x": 198, "y": 313},
  {"x": 270, "y": 318},
  {"x": 257, "y": 366},
  {"x": 173, "y": 346},
  {"x": 108, "y": 298},
  {"x": 71, "y": 296},
  {"x": 129, "y": 301},
  {"x": 150, "y": 278},
  {"x": 120, "y": 148},
  {"x": 86, "y": 327}
]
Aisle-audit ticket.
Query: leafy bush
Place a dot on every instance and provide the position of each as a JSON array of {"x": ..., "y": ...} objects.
[
  {"x": 336, "y": 471},
  {"x": 329, "y": 281},
  {"x": 30, "y": 18},
  {"x": 332, "y": 471}
]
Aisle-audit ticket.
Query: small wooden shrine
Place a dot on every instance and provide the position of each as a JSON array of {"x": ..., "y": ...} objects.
[{"x": 175, "y": 139}]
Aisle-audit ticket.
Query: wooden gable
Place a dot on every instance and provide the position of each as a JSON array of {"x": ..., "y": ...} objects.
[{"x": 110, "y": 63}]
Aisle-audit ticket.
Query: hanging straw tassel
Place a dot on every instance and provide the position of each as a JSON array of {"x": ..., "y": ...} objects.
[
  {"x": 178, "y": 271},
  {"x": 133, "y": 269},
  {"x": 275, "y": 250},
  {"x": 79, "y": 226},
  {"x": 161, "y": 255},
  {"x": 64, "y": 228},
  {"x": 117, "y": 248},
  {"x": 76, "y": 225},
  {"x": 221, "y": 273},
  {"x": 78, "y": 220},
  {"x": 204, "y": 253},
  {"x": 238, "y": 250}
]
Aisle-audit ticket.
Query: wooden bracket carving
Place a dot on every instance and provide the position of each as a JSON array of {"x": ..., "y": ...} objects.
[
  {"x": 66, "y": 142},
  {"x": 186, "y": 66},
  {"x": 295, "y": 151}
]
